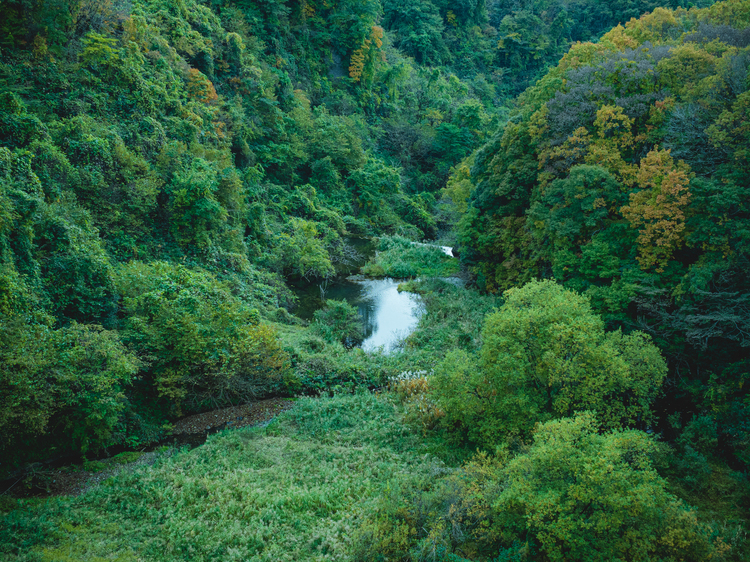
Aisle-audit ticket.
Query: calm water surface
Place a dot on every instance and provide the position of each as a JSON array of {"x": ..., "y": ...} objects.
[{"x": 388, "y": 316}]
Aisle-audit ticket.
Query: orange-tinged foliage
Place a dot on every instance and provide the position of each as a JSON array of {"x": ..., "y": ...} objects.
[
  {"x": 658, "y": 209},
  {"x": 200, "y": 88},
  {"x": 413, "y": 388},
  {"x": 364, "y": 56},
  {"x": 613, "y": 135},
  {"x": 357, "y": 64},
  {"x": 377, "y": 36}
]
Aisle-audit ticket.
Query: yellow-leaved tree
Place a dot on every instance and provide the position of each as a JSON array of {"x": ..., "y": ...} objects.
[
  {"x": 657, "y": 209},
  {"x": 364, "y": 59}
]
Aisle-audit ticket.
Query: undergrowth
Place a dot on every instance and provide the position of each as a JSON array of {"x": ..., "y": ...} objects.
[
  {"x": 400, "y": 258},
  {"x": 295, "y": 490}
]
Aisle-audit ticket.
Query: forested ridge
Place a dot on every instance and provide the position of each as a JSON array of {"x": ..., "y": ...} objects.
[
  {"x": 623, "y": 175},
  {"x": 172, "y": 172}
]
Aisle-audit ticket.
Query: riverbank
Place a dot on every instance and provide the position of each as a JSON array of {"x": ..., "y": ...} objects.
[
  {"x": 74, "y": 477},
  {"x": 401, "y": 258}
]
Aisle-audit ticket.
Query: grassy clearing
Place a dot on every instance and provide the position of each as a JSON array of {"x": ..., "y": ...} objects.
[
  {"x": 400, "y": 258},
  {"x": 295, "y": 490}
]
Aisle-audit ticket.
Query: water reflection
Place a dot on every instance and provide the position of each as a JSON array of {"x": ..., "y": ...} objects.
[{"x": 388, "y": 315}]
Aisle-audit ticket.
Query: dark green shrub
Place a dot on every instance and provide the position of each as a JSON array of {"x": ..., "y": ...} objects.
[
  {"x": 339, "y": 321},
  {"x": 61, "y": 391},
  {"x": 204, "y": 346}
]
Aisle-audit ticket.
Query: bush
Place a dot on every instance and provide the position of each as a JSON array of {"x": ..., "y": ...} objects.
[
  {"x": 63, "y": 390},
  {"x": 339, "y": 321},
  {"x": 545, "y": 355},
  {"x": 581, "y": 495},
  {"x": 574, "y": 494},
  {"x": 204, "y": 347},
  {"x": 413, "y": 388},
  {"x": 578, "y": 495}
]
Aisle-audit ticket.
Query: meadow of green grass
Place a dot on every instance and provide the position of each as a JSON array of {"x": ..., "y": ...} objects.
[
  {"x": 294, "y": 490},
  {"x": 400, "y": 258}
]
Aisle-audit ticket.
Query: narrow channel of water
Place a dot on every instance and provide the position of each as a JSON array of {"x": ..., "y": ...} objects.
[{"x": 388, "y": 316}]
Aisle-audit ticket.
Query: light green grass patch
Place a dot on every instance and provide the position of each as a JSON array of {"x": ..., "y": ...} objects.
[
  {"x": 400, "y": 258},
  {"x": 295, "y": 490}
]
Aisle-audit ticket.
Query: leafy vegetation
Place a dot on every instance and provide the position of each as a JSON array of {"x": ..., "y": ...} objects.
[
  {"x": 402, "y": 258},
  {"x": 611, "y": 179},
  {"x": 339, "y": 321},
  {"x": 203, "y": 345},
  {"x": 575, "y": 494},
  {"x": 545, "y": 355},
  {"x": 168, "y": 170},
  {"x": 295, "y": 490}
]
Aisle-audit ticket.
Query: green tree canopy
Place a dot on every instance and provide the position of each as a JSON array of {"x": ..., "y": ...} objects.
[
  {"x": 578, "y": 494},
  {"x": 203, "y": 345},
  {"x": 546, "y": 355}
]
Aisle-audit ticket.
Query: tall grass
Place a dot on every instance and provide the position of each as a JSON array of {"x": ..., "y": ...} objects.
[
  {"x": 295, "y": 490},
  {"x": 400, "y": 258}
]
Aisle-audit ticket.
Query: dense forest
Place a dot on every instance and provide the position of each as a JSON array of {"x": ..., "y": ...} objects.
[{"x": 172, "y": 173}]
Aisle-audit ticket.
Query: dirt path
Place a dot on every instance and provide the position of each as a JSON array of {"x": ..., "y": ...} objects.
[
  {"x": 234, "y": 417},
  {"x": 191, "y": 430}
]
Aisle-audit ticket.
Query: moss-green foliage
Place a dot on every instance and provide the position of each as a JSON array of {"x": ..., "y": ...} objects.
[
  {"x": 575, "y": 493},
  {"x": 63, "y": 391},
  {"x": 545, "y": 355},
  {"x": 323, "y": 365},
  {"x": 202, "y": 344},
  {"x": 122, "y": 458},
  {"x": 166, "y": 166},
  {"x": 610, "y": 178},
  {"x": 294, "y": 491},
  {"x": 340, "y": 322},
  {"x": 452, "y": 319},
  {"x": 401, "y": 258}
]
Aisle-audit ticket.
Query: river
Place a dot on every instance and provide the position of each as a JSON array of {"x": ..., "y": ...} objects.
[{"x": 388, "y": 316}]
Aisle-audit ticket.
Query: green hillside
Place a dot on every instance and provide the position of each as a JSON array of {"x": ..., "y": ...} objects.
[
  {"x": 623, "y": 175},
  {"x": 174, "y": 174}
]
